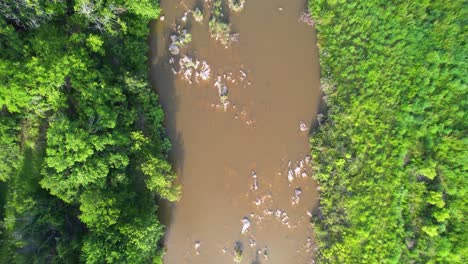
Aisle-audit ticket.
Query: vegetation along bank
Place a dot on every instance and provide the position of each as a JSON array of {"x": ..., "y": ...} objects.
[
  {"x": 391, "y": 159},
  {"x": 83, "y": 146}
]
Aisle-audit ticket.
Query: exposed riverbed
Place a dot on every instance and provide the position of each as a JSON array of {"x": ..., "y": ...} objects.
[{"x": 233, "y": 155}]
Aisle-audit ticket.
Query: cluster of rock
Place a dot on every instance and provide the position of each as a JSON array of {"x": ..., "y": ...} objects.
[
  {"x": 190, "y": 69},
  {"x": 194, "y": 70},
  {"x": 179, "y": 40},
  {"x": 300, "y": 170},
  {"x": 262, "y": 200},
  {"x": 222, "y": 84},
  {"x": 296, "y": 196},
  {"x": 246, "y": 223},
  {"x": 281, "y": 215}
]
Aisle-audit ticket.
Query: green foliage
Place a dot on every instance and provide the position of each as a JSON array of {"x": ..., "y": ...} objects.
[
  {"x": 10, "y": 149},
  {"x": 197, "y": 15},
  {"x": 183, "y": 39},
  {"x": 391, "y": 160},
  {"x": 238, "y": 254},
  {"x": 111, "y": 16},
  {"x": 94, "y": 42},
  {"x": 236, "y": 5},
  {"x": 31, "y": 13},
  {"x": 159, "y": 178},
  {"x": 85, "y": 157},
  {"x": 132, "y": 239},
  {"x": 219, "y": 28},
  {"x": 38, "y": 225}
]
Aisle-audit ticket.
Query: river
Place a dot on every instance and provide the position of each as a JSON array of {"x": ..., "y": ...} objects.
[{"x": 233, "y": 160}]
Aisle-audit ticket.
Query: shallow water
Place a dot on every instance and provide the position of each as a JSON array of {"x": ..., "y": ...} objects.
[{"x": 216, "y": 150}]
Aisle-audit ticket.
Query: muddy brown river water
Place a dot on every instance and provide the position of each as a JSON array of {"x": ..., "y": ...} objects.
[{"x": 233, "y": 160}]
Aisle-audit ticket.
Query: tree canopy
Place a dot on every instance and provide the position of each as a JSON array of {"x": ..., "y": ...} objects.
[{"x": 86, "y": 152}]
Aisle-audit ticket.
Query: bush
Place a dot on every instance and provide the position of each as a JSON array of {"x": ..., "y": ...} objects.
[
  {"x": 197, "y": 15},
  {"x": 236, "y": 5},
  {"x": 219, "y": 29}
]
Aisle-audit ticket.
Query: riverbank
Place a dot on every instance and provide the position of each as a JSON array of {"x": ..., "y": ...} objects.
[
  {"x": 391, "y": 158},
  {"x": 83, "y": 147}
]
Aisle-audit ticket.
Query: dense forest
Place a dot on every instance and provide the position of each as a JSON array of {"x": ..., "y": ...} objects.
[
  {"x": 83, "y": 149},
  {"x": 391, "y": 160}
]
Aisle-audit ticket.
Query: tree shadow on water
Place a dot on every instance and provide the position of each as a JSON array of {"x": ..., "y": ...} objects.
[{"x": 162, "y": 80}]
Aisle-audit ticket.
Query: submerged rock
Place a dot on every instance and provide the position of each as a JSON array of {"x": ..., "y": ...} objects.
[
  {"x": 252, "y": 242},
  {"x": 254, "y": 174},
  {"x": 244, "y": 75},
  {"x": 268, "y": 212},
  {"x": 258, "y": 202},
  {"x": 255, "y": 185},
  {"x": 309, "y": 245},
  {"x": 235, "y": 37},
  {"x": 238, "y": 250},
  {"x": 265, "y": 253},
  {"x": 223, "y": 91},
  {"x": 278, "y": 213},
  {"x": 205, "y": 72},
  {"x": 296, "y": 197}
]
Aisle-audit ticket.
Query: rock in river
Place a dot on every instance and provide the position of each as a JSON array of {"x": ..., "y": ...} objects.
[
  {"x": 290, "y": 175},
  {"x": 303, "y": 127},
  {"x": 174, "y": 49},
  {"x": 245, "y": 225},
  {"x": 196, "y": 246}
]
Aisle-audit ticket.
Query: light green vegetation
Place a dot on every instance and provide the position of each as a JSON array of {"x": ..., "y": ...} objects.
[
  {"x": 391, "y": 160},
  {"x": 184, "y": 38},
  {"x": 236, "y": 5},
  {"x": 85, "y": 158},
  {"x": 237, "y": 254},
  {"x": 219, "y": 28},
  {"x": 197, "y": 15}
]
